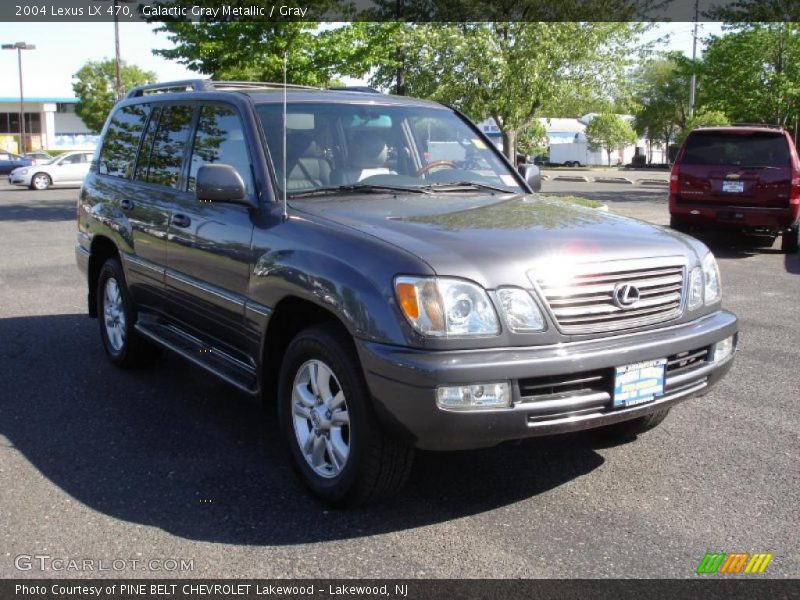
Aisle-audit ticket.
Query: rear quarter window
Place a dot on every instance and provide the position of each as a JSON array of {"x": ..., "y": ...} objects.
[
  {"x": 757, "y": 149},
  {"x": 121, "y": 143}
]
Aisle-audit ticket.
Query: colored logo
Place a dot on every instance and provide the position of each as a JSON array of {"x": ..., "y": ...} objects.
[{"x": 733, "y": 563}]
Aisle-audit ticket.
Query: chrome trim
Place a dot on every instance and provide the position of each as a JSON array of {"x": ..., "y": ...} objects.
[
  {"x": 135, "y": 261},
  {"x": 586, "y": 302},
  {"x": 236, "y": 300},
  {"x": 83, "y": 251},
  {"x": 598, "y": 419}
]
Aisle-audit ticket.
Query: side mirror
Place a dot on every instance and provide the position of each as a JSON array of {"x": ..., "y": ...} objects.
[
  {"x": 220, "y": 183},
  {"x": 532, "y": 176}
]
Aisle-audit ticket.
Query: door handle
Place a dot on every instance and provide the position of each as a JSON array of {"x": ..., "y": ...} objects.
[
  {"x": 126, "y": 204},
  {"x": 180, "y": 220}
]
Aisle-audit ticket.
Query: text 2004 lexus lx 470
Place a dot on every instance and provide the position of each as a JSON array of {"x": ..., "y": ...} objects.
[{"x": 411, "y": 293}]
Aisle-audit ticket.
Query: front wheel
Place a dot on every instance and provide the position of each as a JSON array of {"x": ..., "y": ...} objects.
[
  {"x": 790, "y": 240},
  {"x": 337, "y": 445},
  {"x": 41, "y": 181}
]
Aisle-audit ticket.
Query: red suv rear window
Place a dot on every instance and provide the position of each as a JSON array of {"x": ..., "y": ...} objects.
[{"x": 752, "y": 149}]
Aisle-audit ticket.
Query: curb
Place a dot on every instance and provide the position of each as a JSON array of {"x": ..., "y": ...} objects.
[
  {"x": 655, "y": 182},
  {"x": 613, "y": 180},
  {"x": 571, "y": 178}
]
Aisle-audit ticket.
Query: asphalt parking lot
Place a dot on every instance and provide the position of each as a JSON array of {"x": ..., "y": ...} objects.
[{"x": 168, "y": 463}]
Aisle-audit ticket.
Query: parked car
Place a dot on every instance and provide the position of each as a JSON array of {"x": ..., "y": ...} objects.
[
  {"x": 38, "y": 157},
  {"x": 65, "y": 170},
  {"x": 9, "y": 162},
  {"x": 384, "y": 297},
  {"x": 745, "y": 178}
]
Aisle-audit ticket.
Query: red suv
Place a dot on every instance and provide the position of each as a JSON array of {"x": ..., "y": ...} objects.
[{"x": 744, "y": 177}]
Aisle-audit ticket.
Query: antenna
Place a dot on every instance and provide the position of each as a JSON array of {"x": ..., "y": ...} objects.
[{"x": 285, "y": 165}]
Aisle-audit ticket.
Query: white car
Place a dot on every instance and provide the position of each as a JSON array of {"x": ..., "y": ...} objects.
[{"x": 65, "y": 170}]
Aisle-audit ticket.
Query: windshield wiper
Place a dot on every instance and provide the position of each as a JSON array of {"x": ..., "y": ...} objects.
[
  {"x": 357, "y": 187},
  {"x": 457, "y": 186}
]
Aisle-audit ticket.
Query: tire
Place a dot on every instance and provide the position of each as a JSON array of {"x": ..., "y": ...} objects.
[
  {"x": 41, "y": 181},
  {"x": 790, "y": 240},
  {"x": 123, "y": 345},
  {"x": 577, "y": 163},
  {"x": 629, "y": 429},
  {"x": 678, "y": 224},
  {"x": 342, "y": 455}
]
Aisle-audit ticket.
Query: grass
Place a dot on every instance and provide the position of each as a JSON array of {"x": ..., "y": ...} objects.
[{"x": 574, "y": 200}]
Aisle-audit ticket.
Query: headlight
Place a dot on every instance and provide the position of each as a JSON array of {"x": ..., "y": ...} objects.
[
  {"x": 712, "y": 291},
  {"x": 23, "y": 172},
  {"x": 521, "y": 311},
  {"x": 440, "y": 306},
  {"x": 695, "y": 288}
]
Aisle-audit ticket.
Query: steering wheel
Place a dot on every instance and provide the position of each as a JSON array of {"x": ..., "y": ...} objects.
[{"x": 435, "y": 164}]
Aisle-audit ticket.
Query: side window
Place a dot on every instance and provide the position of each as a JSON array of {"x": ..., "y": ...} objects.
[
  {"x": 73, "y": 160},
  {"x": 122, "y": 141},
  {"x": 171, "y": 137},
  {"x": 220, "y": 139},
  {"x": 147, "y": 146}
]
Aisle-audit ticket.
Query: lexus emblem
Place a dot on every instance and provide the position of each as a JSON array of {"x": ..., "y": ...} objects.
[{"x": 626, "y": 295}]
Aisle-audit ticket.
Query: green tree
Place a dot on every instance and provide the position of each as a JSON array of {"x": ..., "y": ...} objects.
[
  {"x": 533, "y": 139},
  {"x": 662, "y": 95},
  {"x": 608, "y": 131},
  {"x": 510, "y": 70},
  {"x": 702, "y": 118},
  {"x": 94, "y": 86},
  {"x": 752, "y": 72}
]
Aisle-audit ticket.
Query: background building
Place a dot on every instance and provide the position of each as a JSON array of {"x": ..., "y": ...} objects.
[{"x": 50, "y": 124}]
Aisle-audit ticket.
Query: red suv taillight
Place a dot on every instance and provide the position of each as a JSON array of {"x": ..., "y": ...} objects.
[{"x": 673, "y": 179}]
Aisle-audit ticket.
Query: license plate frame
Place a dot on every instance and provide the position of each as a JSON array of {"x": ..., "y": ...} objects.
[
  {"x": 733, "y": 187},
  {"x": 639, "y": 383}
]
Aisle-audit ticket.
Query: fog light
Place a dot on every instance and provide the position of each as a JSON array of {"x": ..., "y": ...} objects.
[
  {"x": 723, "y": 349},
  {"x": 475, "y": 396}
]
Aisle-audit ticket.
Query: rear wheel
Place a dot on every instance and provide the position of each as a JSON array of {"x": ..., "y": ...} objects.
[
  {"x": 678, "y": 224},
  {"x": 337, "y": 445},
  {"x": 629, "y": 429},
  {"x": 41, "y": 181},
  {"x": 790, "y": 240},
  {"x": 117, "y": 317}
]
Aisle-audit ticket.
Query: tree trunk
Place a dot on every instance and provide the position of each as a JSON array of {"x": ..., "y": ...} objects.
[
  {"x": 608, "y": 152},
  {"x": 510, "y": 145}
]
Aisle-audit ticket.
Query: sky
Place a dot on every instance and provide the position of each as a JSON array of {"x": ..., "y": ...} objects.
[{"x": 62, "y": 48}]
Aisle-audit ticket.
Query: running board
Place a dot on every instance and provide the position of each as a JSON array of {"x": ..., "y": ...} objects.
[{"x": 239, "y": 374}]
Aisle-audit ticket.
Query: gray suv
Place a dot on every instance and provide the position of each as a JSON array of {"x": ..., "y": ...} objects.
[{"x": 378, "y": 269}]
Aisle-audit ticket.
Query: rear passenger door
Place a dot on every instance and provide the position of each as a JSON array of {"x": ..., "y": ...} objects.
[
  {"x": 150, "y": 198},
  {"x": 209, "y": 250}
]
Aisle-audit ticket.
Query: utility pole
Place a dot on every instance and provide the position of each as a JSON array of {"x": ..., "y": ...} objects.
[
  {"x": 693, "y": 85},
  {"x": 19, "y": 47},
  {"x": 118, "y": 71}
]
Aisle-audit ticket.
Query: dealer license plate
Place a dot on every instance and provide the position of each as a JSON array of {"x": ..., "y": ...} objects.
[
  {"x": 733, "y": 187},
  {"x": 639, "y": 383}
]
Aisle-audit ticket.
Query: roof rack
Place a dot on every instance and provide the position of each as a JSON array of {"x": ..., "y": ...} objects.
[
  {"x": 208, "y": 85},
  {"x": 768, "y": 125},
  {"x": 355, "y": 88}
]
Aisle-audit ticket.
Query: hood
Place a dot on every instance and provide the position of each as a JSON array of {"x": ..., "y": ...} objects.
[{"x": 495, "y": 240}]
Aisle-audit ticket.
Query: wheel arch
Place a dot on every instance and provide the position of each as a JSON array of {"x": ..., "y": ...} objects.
[
  {"x": 290, "y": 316},
  {"x": 101, "y": 250}
]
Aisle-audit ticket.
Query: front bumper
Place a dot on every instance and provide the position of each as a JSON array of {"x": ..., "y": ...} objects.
[
  {"x": 17, "y": 179},
  {"x": 547, "y": 394}
]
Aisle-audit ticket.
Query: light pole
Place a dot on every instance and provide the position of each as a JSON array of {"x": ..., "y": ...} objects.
[
  {"x": 19, "y": 47},
  {"x": 117, "y": 66}
]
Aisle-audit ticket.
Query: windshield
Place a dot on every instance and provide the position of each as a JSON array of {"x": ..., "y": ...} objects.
[
  {"x": 758, "y": 149},
  {"x": 360, "y": 145}
]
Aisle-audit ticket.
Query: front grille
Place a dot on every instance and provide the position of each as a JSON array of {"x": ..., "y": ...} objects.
[
  {"x": 584, "y": 302},
  {"x": 557, "y": 396},
  {"x": 686, "y": 362}
]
